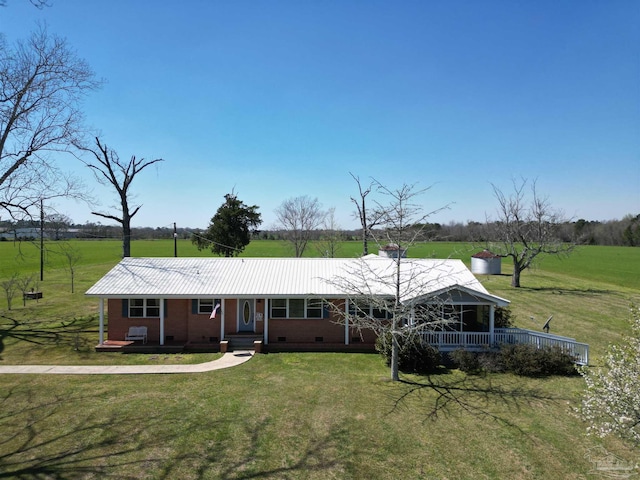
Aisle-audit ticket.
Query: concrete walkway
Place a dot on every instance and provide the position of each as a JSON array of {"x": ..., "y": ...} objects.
[{"x": 229, "y": 359}]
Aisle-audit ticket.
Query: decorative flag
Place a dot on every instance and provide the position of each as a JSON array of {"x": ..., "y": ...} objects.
[{"x": 215, "y": 310}]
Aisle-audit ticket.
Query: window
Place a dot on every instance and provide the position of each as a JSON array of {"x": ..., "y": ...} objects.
[
  {"x": 379, "y": 313},
  {"x": 314, "y": 308},
  {"x": 363, "y": 309},
  {"x": 153, "y": 307},
  {"x": 296, "y": 308},
  {"x": 358, "y": 308},
  {"x": 136, "y": 307},
  {"x": 279, "y": 308},
  {"x": 206, "y": 305},
  {"x": 144, "y": 307}
]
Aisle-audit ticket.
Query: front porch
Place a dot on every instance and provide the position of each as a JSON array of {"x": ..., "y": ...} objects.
[{"x": 445, "y": 342}]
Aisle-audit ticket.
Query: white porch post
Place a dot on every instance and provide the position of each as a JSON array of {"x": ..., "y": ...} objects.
[
  {"x": 492, "y": 313},
  {"x": 224, "y": 301},
  {"x": 266, "y": 321},
  {"x": 101, "y": 320},
  {"x": 346, "y": 321},
  {"x": 162, "y": 321}
]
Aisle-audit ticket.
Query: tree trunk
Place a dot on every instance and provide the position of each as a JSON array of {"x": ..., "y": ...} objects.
[
  {"x": 395, "y": 357},
  {"x": 515, "y": 278},
  {"x": 126, "y": 237},
  {"x": 365, "y": 244}
]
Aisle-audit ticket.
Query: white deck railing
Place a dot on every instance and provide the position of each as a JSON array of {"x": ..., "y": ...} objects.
[{"x": 484, "y": 340}]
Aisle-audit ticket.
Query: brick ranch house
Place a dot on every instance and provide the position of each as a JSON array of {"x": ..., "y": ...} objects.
[{"x": 282, "y": 302}]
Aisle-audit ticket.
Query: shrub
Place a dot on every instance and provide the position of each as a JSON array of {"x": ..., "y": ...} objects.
[
  {"x": 466, "y": 361},
  {"x": 503, "y": 318},
  {"x": 477, "y": 362},
  {"x": 491, "y": 362},
  {"x": 414, "y": 355},
  {"x": 530, "y": 361}
]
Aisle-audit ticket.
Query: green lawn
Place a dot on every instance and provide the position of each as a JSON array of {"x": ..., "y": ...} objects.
[{"x": 308, "y": 416}]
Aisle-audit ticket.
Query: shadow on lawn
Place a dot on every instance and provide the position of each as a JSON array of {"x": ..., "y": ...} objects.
[
  {"x": 56, "y": 436},
  {"x": 64, "y": 333},
  {"x": 41, "y": 439},
  {"x": 478, "y": 396},
  {"x": 580, "y": 292},
  {"x": 249, "y": 458}
]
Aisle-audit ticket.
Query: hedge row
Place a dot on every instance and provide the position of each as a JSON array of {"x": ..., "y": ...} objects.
[{"x": 520, "y": 359}]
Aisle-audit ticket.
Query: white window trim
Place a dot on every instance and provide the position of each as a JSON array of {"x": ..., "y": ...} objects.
[
  {"x": 354, "y": 307},
  {"x": 306, "y": 309},
  {"x": 210, "y": 307},
  {"x": 145, "y": 307}
]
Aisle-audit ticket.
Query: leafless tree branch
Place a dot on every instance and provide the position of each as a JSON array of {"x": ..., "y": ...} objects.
[
  {"x": 42, "y": 83},
  {"x": 299, "y": 217},
  {"x": 110, "y": 170},
  {"x": 526, "y": 228}
]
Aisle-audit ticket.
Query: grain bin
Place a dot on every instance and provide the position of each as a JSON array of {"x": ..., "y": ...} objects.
[{"x": 486, "y": 263}]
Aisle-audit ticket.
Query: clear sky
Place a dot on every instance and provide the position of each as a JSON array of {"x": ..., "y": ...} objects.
[{"x": 277, "y": 99}]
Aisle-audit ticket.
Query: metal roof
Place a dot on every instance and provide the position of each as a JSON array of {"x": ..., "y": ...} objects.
[{"x": 222, "y": 277}]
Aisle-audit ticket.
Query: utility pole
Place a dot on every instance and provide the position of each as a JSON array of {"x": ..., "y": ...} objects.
[
  {"x": 175, "y": 240},
  {"x": 41, "y": 241}
]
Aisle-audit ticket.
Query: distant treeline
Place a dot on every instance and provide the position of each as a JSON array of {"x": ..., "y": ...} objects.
[{"x": 625, "y": 232}]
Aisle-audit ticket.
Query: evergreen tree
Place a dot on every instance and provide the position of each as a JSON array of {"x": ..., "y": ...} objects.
[{"x": 230, "y": 229}]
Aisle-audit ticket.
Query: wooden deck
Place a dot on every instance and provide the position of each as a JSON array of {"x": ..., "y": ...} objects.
[{"x": 124, "y": 346}]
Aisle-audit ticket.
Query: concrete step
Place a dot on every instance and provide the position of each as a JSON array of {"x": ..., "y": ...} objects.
[{"x": 242, "y": 342}]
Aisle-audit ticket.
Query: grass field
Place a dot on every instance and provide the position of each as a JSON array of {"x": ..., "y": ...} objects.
[{"x": 308, "y": 416}]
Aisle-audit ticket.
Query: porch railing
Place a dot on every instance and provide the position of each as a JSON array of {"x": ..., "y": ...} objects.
[
  {"x": 569, "y": 345},
  {"x": 483, "y": 340}
]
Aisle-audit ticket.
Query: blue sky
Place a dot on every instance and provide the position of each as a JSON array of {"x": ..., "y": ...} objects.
[{"x": 277, "y": 99}]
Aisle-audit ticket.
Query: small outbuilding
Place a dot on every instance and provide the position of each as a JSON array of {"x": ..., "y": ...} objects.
[{"x": 486, "y": 263}]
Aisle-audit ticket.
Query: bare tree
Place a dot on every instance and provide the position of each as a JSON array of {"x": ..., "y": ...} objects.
[
  {"x": 42, "y": 83},
  {"x": 527, "y": 228},
  {"x": 25, "y": 283},
  {"x": 299, "y": 217},
  {"x": 368, "y": 219},
  {"x": 72, "y": 257},
  {"x": 10, "y": 286},
  {"x": 394, "y": 314},
  {"x": 56, "y": 224},
  {"x": 329, "y": 242},
  {"x": 40, "y": 4},
  {"x": 110, "y": 170},
  {"x": 402, "y": 221}
]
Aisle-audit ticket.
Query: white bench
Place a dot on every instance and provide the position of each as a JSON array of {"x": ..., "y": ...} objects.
[{"x": 137, "y": 333}]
